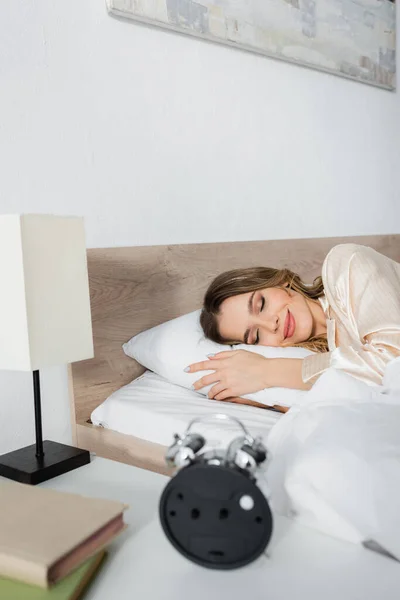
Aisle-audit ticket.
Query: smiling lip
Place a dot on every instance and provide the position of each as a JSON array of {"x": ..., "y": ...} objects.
[{"x": 290, "y": 325}]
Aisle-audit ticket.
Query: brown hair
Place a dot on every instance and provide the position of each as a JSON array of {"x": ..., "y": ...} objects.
[{"x": 241, "y": 281}]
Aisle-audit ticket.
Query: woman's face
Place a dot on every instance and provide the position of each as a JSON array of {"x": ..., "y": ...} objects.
[{"x": 269, "y": 317}]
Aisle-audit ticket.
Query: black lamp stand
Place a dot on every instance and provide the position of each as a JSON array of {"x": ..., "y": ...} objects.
[{"x": 43, "y": 460}]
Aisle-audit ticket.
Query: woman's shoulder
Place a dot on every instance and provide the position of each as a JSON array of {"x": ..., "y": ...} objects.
[
  {"x": 352, "y": 268},
  {"x": 339, "y": 260},
  {"x": 343, "y": 252}
]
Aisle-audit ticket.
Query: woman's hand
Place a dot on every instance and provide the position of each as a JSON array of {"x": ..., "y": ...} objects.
[{"x": 236, "y": 373}]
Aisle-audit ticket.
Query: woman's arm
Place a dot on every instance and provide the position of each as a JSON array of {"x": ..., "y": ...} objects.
[
  {"x": 287, "y": 373},
  {"x": 238, "y": 372},
  {"x": 363, "y": 290}
]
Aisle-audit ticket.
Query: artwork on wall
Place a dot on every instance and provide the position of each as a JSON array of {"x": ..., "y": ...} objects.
[{"x": 352, "y": 38}]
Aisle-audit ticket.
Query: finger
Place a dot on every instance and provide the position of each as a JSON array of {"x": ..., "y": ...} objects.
[
  {"x": 219, "y": 355},
  {"x": 206, "y": 380},
  {"x": 216, "y": 389},
  {"x": 224, "y": 395},
  {"x": 204, "y": 365}
]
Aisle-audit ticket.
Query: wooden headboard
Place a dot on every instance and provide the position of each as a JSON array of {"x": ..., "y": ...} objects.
[{"x": 133, "y": 289}]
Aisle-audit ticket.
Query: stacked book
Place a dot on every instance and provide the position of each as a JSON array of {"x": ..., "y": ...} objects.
[{"x": 52, "y": 543}]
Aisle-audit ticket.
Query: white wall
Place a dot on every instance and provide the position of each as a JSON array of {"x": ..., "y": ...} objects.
[{"x": 157, "y": 138}]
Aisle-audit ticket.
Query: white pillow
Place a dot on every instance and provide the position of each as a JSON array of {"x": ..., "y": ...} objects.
[{"x": 170, "y": 347}]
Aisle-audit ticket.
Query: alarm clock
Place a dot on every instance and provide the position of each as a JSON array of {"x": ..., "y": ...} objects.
[{"x": 212, "y": 510}]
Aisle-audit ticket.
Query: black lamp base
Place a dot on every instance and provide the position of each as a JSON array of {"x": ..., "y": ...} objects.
[{"x": 22, "y": 465}]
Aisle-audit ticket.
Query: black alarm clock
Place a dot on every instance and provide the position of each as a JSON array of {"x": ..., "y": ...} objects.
[{"x": 212, "y": 510}]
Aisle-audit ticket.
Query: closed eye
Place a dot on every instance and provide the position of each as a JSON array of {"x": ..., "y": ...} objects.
[{"x": 262, "y": 303}]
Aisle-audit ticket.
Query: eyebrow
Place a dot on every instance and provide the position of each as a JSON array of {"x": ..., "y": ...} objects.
[
  {"x": 250, "y": 309},
  {"x": 250, "y": 305}
]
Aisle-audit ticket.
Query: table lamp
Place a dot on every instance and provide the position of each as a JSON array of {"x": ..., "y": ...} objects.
[{"x": 45, "y": 320}]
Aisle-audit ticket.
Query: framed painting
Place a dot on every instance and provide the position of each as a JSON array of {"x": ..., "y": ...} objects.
[{"x": 351, "y": 38}]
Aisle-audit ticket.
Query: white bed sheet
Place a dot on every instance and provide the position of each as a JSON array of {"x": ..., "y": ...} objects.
[
  {"x": 153, "y": 409},
  {"x": 335, "y": 461}
]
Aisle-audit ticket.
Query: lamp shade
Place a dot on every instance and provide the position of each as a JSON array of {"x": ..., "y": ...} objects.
[{"x": 45, "y": 314}]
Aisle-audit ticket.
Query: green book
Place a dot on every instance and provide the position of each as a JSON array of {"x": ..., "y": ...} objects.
[{"x": 70, "y": 588}]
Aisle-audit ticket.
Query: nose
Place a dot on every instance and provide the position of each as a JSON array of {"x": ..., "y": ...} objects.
[
  {"x": 271, "y": 323},
  {"x": 274, "y": 324}
]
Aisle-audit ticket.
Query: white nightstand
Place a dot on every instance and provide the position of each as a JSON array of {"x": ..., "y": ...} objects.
[{"x": 143, "y": 566}]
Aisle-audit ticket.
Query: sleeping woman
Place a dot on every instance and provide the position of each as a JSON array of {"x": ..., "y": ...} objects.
[{"x": 349, "y": 317}]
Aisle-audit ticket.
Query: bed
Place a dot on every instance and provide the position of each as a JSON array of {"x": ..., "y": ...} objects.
[{"x": 135, "y": 288}]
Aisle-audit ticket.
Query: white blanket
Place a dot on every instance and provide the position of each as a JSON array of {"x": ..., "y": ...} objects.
[{"x": 335, "y": 460}]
